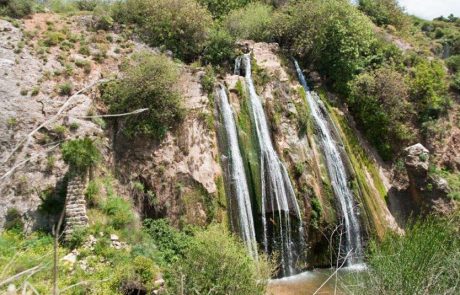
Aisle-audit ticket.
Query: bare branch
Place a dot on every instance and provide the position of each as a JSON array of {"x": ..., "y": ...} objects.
[
  {"x": 16, "y": 276},
  {"x": 333, "y": 274},
  {"x": 113, "y": 115}
]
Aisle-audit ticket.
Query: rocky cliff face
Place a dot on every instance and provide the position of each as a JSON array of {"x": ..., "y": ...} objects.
[
  {"x": 179, "y": 177},
  {"x": 295, "y": 141},
  {"x": 428, "y": 192},
  {"x": 182, "y": 171}
]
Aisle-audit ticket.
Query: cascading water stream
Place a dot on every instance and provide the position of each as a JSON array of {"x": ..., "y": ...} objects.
[
  {"x": 238, "y": 184},
  {"x": 337, "y": 174},
  {"x": 278, "y": 197}
]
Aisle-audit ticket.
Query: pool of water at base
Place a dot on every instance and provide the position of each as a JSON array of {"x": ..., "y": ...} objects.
[{"x": 307, "y": 283}]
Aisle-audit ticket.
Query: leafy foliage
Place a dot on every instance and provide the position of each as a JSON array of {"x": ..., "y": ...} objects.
[
  {"x": 171, "y": 242},
  {"x": 119, "y": 210},
  {"x": 219, "y": 47},
  {"x": 332, "y": 35},
  {"x": 420, "y": 262},
  {"x": 178, "y": 25},
  {"x": 219, "y": 8},
  {"x": 250, "y": 22},
  {"x": 149, "y": 81},
  {"x": 428, "y": 88},
  {"x": 223, "y": 264},
  {"x": 80, "y": 154},
  {"x": 16, "y": 8},
  {"x": 379, "y": 101},
  {"x": 384, "y": 12}
]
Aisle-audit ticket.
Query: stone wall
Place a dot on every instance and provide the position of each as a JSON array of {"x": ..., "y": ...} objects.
[{"x": 75, "y": 206}]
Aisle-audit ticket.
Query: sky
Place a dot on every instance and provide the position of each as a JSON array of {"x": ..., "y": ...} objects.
[{"x": 429, "y": 9}]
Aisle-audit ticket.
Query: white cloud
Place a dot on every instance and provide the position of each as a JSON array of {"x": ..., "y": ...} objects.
[{"x": 429, "y": 9}]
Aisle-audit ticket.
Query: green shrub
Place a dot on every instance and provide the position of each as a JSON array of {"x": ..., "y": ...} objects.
[
  {"x": 102, "y": 18},
  {"x": 385, "y": 12},
  {"x": 219, "y": 8},
  {"x": 149, "y": 81},
  {"x": 170, "y": 242},
  {"x": 16, "y": 8},
  {"x": 60, "y": 131},
  {"x": 91, "y": 193},
  {"x": 65, "y": 88},
  {"x": 53, "y": 38},
  {"x": 453, "y": 63},
  {"x": 420, "y": 262},
  {"x": 35, "y": 91},
  {"x": 13, "y": 220},
  {"x": 62, "y": 6},
  {"x": 219, "y": 47},
  {"x": 216, "y": 262},
  {"x": 84, "y": 64},
  {"x": 50, "y": 163},
  {"x": 84, "y": 50},
  {"x": 455, "y": 84},
  {"x": 380, "y": 103},
  {"x": 208, "y": 80},
  {"x": 142, "y": 271},
  {"x": 250, "y": 22},
  {"x": 178, "y": 25},
  {"x": 120, "y": 212},
  {"x": 80, "y": 154},
  {"x": 87, "y": 5},
  {"x": 77, "y": 238},
  {"x": 333, "y": 35},
  {"x": 428, "y": 88}
]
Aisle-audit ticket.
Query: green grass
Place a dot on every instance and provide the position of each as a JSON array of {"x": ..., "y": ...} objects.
[{"x": 423, "y": 261}]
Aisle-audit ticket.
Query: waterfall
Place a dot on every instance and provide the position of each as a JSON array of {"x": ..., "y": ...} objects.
[
  {"x": 278, "y": 197},
  {"x": 337, "y": 173},
  {"x": 238, "y": 184}
]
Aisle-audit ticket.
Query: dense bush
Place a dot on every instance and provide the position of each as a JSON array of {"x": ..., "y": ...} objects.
[
  {"x": 384, "y": 12},
  {"x": 423, "y": 261},
  {"x": 170, "y": 242},
  {"x": 148, "y": 81},
  {"x": 379, "y": 102},
  {"x": 119, "y": 210},
  {"x": 455, "y": 84},
  {"x": 250, "y": 22},
  {"x": 333, "y": 35},
  {"x": 217, "y": 263},
  {"x": 16, "y": 8},
  {"x": 219, "y": 8},
  {"x": 178, "y": 25},
  {"x": 453, "y": 63},
  {"x": 428, "y": 88},
  {"x": 219, "y": 47},
  {"x": 80, "y": 154},
  {"x": 88, "y": 5}
]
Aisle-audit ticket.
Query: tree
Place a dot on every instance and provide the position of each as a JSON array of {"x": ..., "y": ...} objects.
[
  {"x": 333, "y": 35},
  {"x": 148, "y": 81},
  {"x": 379, "y": 102},
  {"x": 179, "y": 25},
  {"x": 385, "y": 12}
]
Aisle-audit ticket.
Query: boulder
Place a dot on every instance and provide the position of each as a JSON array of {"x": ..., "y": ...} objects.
[{"x": 429, "y": 193}]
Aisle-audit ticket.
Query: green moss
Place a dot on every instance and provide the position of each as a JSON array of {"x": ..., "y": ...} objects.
[
  {"x": 367, "y": 184},
  {"x": 248, "y": 144}
]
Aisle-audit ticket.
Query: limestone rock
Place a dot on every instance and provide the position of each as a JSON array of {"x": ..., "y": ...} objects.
[
  {"x": 429, "y": 193},
  {"x": 417, "y": 160}
]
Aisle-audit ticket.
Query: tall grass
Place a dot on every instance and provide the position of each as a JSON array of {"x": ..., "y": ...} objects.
[{"x": 426, "y": 260}]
